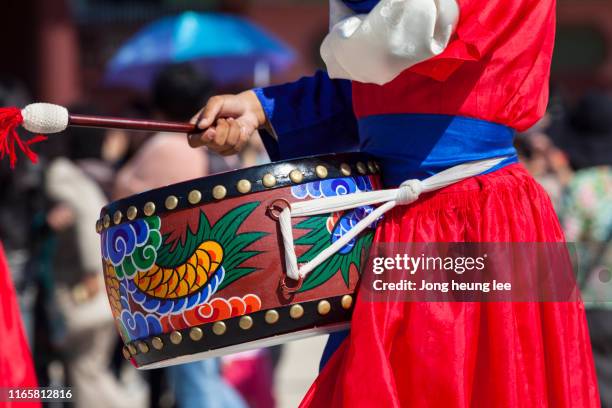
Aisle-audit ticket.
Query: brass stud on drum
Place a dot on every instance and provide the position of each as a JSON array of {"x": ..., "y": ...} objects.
[
  {"x": 272, "y": 316},
  {"x": 132, "y": 212},
  {"x": 143, "y": 347},
  {"x": 98, "y": 226},
  {"x": 171, "y": 202},
  {"x": 106, "y": 221},
  {"x": 243, "y": 186},
  {"x": 219, "y": 192},
  {"x": 296, "y": 311},
  {"x": 345, "y": 169},
  {"x": 361, "y": 168},
  {"x": 246, "y": 322},
  {"x": 176, "y": 337},
  {"x": 324, "y": 307},
  {"x": 321, "y": 171},
  {"x": 196, "y": 334},
  {"x": 269, "y": 180},
  {"x": 132, "y": 349},
  {"x": 117, "y": 217},
  {"x": 149, "y": 209},
  {"x": 194, "y": 197},
  {"x": 347, "y": 302},
  {"x": 372, "y": 167},
  {"x": 126, "y": 353},
  {"x": 157, "y": 343},
  {"x": 296, "y": 176},
  {"x": 219, "y": 328}
]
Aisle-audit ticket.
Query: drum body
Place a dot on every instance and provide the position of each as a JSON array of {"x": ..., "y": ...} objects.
[{"x": 197, "y": 269}]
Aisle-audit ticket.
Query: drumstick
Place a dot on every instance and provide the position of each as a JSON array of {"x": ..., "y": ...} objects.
[{"x": 46, "y": 118}]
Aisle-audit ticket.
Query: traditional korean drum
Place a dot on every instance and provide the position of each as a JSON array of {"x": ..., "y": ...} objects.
[{"x": 197, "y": 269}]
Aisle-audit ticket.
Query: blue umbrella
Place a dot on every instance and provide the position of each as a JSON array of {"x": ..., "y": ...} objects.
[{"x": 228, "y": 48}]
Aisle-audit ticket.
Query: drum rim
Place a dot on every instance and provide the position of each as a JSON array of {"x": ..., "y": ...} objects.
[
  {"x": 235, "y": 183},
  {"x": 159, "y": 348}
]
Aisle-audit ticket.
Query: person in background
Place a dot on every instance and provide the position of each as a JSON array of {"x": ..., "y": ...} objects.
[
  {"x": 586, "y": 216},
  {"x": 88, "y": 336},
  {"x": 165, "y": 159},
  {"x": 544, "y": 160}
]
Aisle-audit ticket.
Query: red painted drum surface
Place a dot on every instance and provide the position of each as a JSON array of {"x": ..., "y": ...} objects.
[{"x": 196, "y": 269}]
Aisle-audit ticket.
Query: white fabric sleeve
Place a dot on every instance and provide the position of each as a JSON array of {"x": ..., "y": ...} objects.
[{"x": 395, "y": 35}]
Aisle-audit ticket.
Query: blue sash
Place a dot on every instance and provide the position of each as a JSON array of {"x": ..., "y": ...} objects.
[{"x": 421, "y": 145}]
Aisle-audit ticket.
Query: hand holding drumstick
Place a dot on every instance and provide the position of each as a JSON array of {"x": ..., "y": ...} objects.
[{"x": 227, "y": 122}]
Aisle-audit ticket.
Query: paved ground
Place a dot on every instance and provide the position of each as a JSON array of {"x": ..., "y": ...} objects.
[{"x": 298, "y": 368}]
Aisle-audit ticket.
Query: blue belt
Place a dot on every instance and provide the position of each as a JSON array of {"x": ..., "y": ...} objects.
[{"x": 412, "y": 146}]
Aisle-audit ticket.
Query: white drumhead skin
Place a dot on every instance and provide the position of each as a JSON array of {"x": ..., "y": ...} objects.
[
  {"x": 45, "y": 118},
  {"x": 270, "y": 341}
]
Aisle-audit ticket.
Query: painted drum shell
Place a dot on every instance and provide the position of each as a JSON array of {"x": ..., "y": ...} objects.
[{"x": 195, "y": 269}]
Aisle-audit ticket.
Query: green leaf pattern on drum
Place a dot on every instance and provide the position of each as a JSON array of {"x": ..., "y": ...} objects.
[
  {"x": 225, "y": 232},
  {"x": 318, "y": 238}
]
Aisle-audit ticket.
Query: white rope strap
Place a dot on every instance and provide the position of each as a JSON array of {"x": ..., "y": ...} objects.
[{"x": 407, "y": 193}]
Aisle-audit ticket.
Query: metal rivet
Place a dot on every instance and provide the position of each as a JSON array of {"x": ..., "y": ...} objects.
[
  {"x": 132, "y": 348},
  {"x": 219, "y": 328},
  {"x": 243, "y": 186},
  {"x": 321, "y": 171},
  {"x": 323, "y": 307},
  {"x": 377, "y": 166},
  {"x": 194, "y": 197},
  {"x": 171, "y": 202},
  {"x": 219, "y": 192},
  {"x": 371, "y": 167},
  {"x": 347, "y": 301},
  {"x": 296, "y": 311},
  {"x": 176, "y": 337},
  {"x": 272, "y": 316},
  {"x": 361, "y": 168},
  {"x": 117, "y": 217},
  {"x": 296, "y": 176},
  {"x": 246, "y": 322},
  {"x": 149, "y": 209},
  {"x": 132, "y": 212},
  {"x": 126, "y": 353},
  {"x": 106, "y": 221},
  {"x": 157, "y": 343},
  {"x": 143, "y": 347},
  {"x": 196, "y": 334},
  {"x": 99, "y": 226},
  {"x": 269, "y": 180},
  {"x": 345, "y": 169}
]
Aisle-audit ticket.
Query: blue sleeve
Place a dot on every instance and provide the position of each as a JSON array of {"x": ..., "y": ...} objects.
[{"x": 313, "y": 115}]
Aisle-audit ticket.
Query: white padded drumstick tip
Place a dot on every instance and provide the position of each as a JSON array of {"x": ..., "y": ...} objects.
[{"x": 45, "y": 118}]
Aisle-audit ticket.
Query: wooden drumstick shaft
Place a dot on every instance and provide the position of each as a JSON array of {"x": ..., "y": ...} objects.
[{"x": 130, "y": 124}]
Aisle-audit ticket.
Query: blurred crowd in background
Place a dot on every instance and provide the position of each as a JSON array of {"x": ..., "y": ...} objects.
[{"x": 48, "y": 211}]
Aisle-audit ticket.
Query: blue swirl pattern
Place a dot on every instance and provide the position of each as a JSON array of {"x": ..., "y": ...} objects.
[
  {"x": 138, "y": 325},
  {"x": 332, "y": 187},
  {"x": 120, "y": 241}
]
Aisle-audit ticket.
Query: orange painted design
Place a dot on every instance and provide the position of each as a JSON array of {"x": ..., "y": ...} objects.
[
  {"x": 112, "y": 289},
  {"x": 215, "y": 310},
  {"x": 185, "y": 279}
]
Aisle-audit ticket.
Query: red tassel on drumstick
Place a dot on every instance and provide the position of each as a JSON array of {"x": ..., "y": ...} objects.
[{"x": 45, "y": 118}]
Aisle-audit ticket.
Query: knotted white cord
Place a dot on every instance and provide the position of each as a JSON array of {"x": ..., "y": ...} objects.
[{"x": 407, "y": 193}]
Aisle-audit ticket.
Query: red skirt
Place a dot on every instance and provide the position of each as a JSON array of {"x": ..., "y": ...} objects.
[
  {"x": 16, "y": 368},
  {"x": 409, "y": 354}
]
